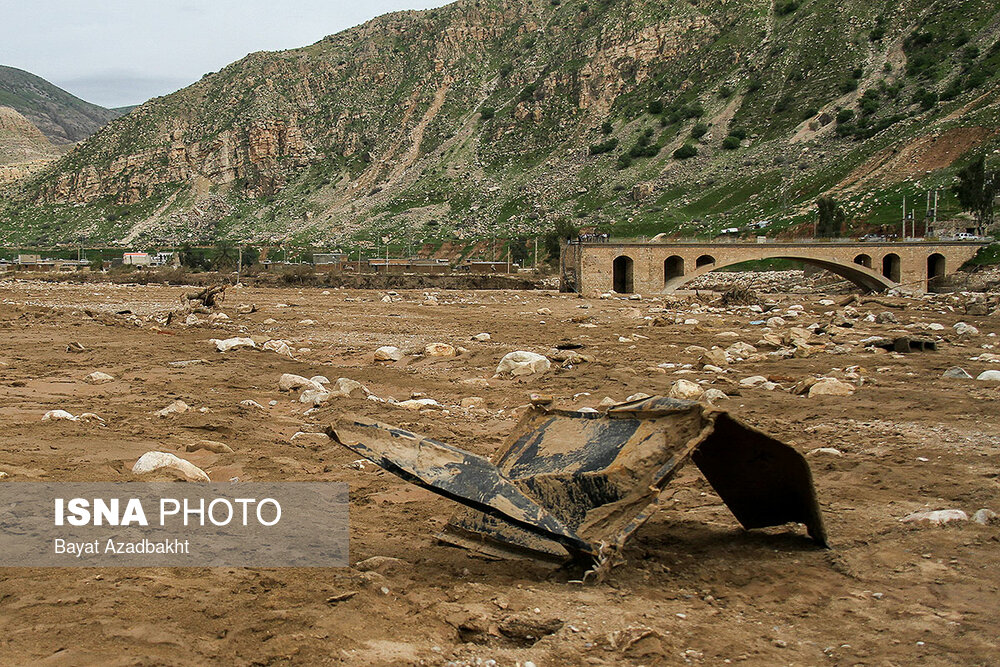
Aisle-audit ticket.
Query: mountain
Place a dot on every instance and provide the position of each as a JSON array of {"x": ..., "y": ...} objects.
[
  {"x": 61, "y": 117},
  {"x": 490, "y": 118}
]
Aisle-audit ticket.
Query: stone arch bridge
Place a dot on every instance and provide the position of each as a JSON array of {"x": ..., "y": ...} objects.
[{"x": 652, "y": 268}]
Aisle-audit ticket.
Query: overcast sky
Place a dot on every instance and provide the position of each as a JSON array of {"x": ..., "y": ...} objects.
[{"x": 122, "y": 52}]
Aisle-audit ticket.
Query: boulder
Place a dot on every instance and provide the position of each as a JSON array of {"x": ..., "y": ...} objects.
[
  {"x": 685, "y": 390},
  {"x": 97, "y": 377},
  {"x": 151, "y": 461},
  {"x": 989, "y": 375},
  {"x": 419, "y": 403},
  {"x": 439, "y": 350},
  {"x": 314, "y": 396},
  {"x": 292, "y": 382},
  {"x": 963, "y": 329},
  {"x": 57, "y": 415},
  {"x": 824, "y": 451},
  {"x": 282, "y": 347},
  {"x": 713, "y": 395},
  {"x": 388, "y": 353},
  {"x": 831, "y": 387},
  {"x": 481, "y": 337},
  {"x": 714, "y": 357},
  {"x": 232, "y": 343},
  {"x": 349, "y": 387},
  {"x": 523, "y": 363},
  {"x": 753, "y": 381},
  {"x": 956, "y": 372}
]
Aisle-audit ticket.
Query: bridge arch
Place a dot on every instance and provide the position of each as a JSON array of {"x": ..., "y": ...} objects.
[
  {"x": 622, "y": 275},
  {"x": 860, "y": 275},
  {"x": 673, "y": 267},
  {"x": 935, "y": 268},
  {"x": 864, "y": 259},
  {"x": 891, "y": 267},
  {"x": 704, "y": 260}
]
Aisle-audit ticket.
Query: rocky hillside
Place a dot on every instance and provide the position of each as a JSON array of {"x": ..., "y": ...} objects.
[
  {"x": 499, "y": 117},
  {"x": 23, "y": 148},
  {"x": 62, "y": 118}
]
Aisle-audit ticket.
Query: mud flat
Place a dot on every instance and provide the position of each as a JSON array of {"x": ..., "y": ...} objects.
[{"x": 895, "y": 438}]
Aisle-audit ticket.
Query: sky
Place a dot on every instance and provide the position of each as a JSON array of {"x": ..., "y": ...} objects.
[{"x": 123, "y": 52}]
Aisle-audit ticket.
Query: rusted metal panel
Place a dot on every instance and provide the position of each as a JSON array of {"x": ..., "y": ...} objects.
[{"x": 576, "y": 485}]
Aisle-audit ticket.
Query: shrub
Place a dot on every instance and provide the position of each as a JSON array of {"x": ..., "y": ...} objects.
[
  {"x": 699, "y": 130},
  {"x": 624, "y": 161},
  {"x": 604, "y": 146},
  {"x": 926, "y": 98},
  {"x": 731, "y": 143},
  {"x": 606, "y": 127},
  {"x": 486, "y": 113},
  {"x": 786, "y": 7},
  {"x": 655, "y": 107},
  {"x": 725, "y": 92},
  {"x": 684, "y": 152},
  {"x": 845, "y": 116},
  {"x": 784, "y": 103},
  {"x": 739, "y": 133},
  {"x": 848, "y": 85}
]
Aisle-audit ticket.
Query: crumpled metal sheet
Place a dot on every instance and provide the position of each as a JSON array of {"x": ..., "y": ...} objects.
[{"x": 576, "y": 485}]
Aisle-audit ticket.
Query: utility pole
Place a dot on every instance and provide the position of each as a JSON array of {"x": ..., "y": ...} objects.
[
  {"x": 239, "y": 264},
  {"x": 536, "y": 253},
  {"x": 904, "y": 217}
]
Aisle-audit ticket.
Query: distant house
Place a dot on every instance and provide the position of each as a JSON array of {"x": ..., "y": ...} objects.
[
  {"x": 28, "y": 260},
  {"x": 137, "y": 259}
]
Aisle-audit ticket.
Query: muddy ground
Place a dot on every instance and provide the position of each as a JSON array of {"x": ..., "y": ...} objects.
[{"x": 695, "y": 589}]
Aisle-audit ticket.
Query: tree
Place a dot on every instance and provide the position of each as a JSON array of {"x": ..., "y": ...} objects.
[
  {"x": 225, "y": 255},
  {"x": 519, "y": 251},
  {"x": 563, "y": 231},
  {"x": 831, "y": 217},
  {"x": 976, "y": 190}
]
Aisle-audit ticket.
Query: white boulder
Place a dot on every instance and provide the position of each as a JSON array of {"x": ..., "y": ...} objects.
[{"x": 151, "y": 461}]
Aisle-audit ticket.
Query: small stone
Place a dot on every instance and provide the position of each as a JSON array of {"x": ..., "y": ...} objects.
[
  {"x": 250, "y": 403},
  {"x": 956, "y": 372},
  {"x": 481, "y": 337},
  {"x": 476, "y": 383},
  {"x": 97, "y": 377},
  {"x": 314, "y": 397},
  {"x": 210, "y": 445},
  {"x": 388, "y": 353},
  {"x": 824, "y": 451},
  {"x": 349, "y": 387},
  {"x": 936, "y": 517},
  {"x": 775, "y": 322},
  {"x": 473, "y": 402},
  {"x": 418, "y": 404},
  {"x": 175, "y": 408},
  {"x": 985, "y": 516},
  {"x": 151, "y": 461},
  {"x": 544, "y": 311}
]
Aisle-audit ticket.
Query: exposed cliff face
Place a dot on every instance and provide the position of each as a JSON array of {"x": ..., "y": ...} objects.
[
  {"x": 23, "y": 148},
  {"x": 495, "y": 116}
]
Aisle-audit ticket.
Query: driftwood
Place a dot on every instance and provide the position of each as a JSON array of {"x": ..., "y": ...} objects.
[{"x": 209, "y": 297}]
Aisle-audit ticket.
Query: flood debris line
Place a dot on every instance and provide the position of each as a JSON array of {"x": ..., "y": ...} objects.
[{"x": 575, "y": 486}]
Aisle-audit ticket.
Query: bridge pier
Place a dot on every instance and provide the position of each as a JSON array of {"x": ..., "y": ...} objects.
[{"x": 656, "y": 268}]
